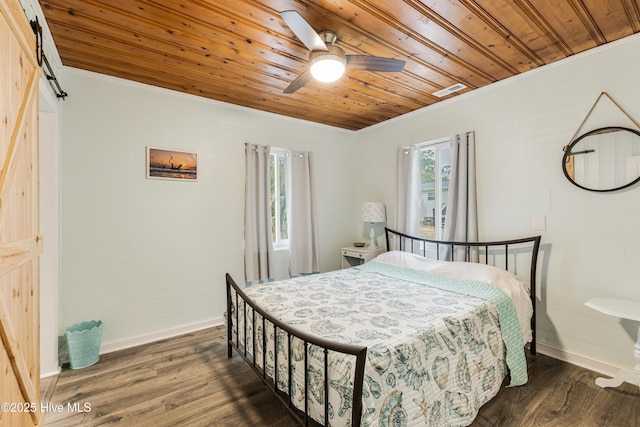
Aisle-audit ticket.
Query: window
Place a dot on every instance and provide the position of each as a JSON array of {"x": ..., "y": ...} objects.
[
  {"x": 435, "y": 169},
  {"x": 279, "y": 166}
]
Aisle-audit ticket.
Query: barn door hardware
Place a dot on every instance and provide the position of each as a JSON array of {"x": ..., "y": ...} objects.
[
  {"x": 37, "y": 29},
  {"x": 42, "y": 59}
]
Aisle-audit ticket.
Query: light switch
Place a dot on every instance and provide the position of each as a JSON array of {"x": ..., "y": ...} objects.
[{"x": 539, "y": 222}]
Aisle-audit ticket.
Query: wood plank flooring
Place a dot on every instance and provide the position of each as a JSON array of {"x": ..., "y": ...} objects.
[{"x": 188, "y": 381}]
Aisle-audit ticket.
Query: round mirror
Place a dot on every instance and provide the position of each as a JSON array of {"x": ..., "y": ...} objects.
[{"x": 604, "y": 159}]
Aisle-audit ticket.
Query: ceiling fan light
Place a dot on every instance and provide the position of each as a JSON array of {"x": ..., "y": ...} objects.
[
  {"x": 327, "y": 66},
  {"x": 327, "y": 69}
]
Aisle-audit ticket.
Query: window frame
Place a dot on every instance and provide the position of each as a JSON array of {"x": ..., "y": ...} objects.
[{"x": 438, "y": 217}]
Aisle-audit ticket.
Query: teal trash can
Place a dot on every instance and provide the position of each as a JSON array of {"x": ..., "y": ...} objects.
[{"x": 83, "y": 343}]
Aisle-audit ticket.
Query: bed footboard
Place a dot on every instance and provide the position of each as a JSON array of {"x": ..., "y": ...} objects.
[{"x": 247, "y": 324}]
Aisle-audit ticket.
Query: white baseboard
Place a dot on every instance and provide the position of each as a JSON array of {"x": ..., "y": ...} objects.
[
  {"x": 50, "y": 374},
  {"x": 551, "y": 351},
  {"x": 108, "y": 347},
  {"x": 576, "y": 359}
]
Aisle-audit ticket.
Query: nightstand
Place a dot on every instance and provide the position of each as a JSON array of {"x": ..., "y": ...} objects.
[
  {"x": 624, "y": 309},
  {"x": 352, "y": 256}
]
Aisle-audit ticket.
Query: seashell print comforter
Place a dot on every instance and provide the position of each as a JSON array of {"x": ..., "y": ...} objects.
[{"x": 438, "y": 348}]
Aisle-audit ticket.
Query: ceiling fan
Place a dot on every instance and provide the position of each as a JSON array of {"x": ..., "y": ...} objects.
[{"x": 327, "y": 61}]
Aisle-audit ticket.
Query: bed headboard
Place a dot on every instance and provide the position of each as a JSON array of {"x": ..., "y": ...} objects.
[{"x": 518, "y": 256}]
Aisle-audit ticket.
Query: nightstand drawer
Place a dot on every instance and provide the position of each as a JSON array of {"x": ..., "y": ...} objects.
[{"x": 353, "y": 254}]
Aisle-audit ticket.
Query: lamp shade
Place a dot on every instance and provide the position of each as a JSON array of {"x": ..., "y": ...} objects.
[{"x": 373, "y": 212}]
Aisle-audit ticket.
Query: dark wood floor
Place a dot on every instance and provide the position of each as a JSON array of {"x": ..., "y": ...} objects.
[{"x": 188, "y": 381}]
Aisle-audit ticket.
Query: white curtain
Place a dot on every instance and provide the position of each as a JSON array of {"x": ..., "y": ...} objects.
[
  {"x": 258, "y": 241},
  {"x": 461, "y": 223},
  {"x": 302, "y": 216},
  {"x": 408, "y": 191}
]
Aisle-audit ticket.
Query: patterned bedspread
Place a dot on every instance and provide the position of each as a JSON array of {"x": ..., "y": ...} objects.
[{"x": 434, "y": 355}]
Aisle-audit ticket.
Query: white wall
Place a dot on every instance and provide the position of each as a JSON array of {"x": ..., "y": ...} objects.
[
  {"x": 592, "y": 243},
  {"x": 148, "y": 257}
]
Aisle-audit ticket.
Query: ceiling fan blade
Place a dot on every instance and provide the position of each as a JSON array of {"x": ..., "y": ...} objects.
[
  {"x": 300, "y": 81},
  {"x": 303, "y": 30},
  {"x": 374, "y": 63}
]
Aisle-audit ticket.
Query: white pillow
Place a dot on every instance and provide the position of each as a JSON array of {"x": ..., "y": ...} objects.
[
  {"x": 406, "y": 259},
  {"x": 498, "y": 277}
]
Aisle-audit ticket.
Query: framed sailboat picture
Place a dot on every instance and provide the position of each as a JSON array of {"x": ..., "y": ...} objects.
[{"x": 171, "y": 164}]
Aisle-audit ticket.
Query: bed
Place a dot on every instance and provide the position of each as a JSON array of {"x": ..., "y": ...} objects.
[{"x": 424, "y": 334}]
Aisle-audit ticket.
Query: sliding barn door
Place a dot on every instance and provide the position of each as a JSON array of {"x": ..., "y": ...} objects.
[{"x": 20, "y": 243}]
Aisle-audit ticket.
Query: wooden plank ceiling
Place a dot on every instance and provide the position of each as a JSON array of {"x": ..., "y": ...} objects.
[{"x": 242, "y": 52}]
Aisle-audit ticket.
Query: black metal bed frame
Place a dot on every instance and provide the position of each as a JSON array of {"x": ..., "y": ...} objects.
[
  {"x": 248, "y": 306},
  {"x": 237, "y": 300}
]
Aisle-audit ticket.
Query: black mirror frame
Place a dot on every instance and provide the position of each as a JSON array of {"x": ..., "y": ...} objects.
[{"x": 567, "y": 153}]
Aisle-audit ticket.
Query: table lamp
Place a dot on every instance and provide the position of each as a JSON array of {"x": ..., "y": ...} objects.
[{"x": 373, "y": 212}]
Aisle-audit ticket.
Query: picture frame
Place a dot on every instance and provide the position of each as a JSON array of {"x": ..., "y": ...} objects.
[{"x": 170, "y": 164}]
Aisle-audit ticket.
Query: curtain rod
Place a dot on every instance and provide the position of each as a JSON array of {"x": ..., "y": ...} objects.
[{"x": 41, "y": 57}]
